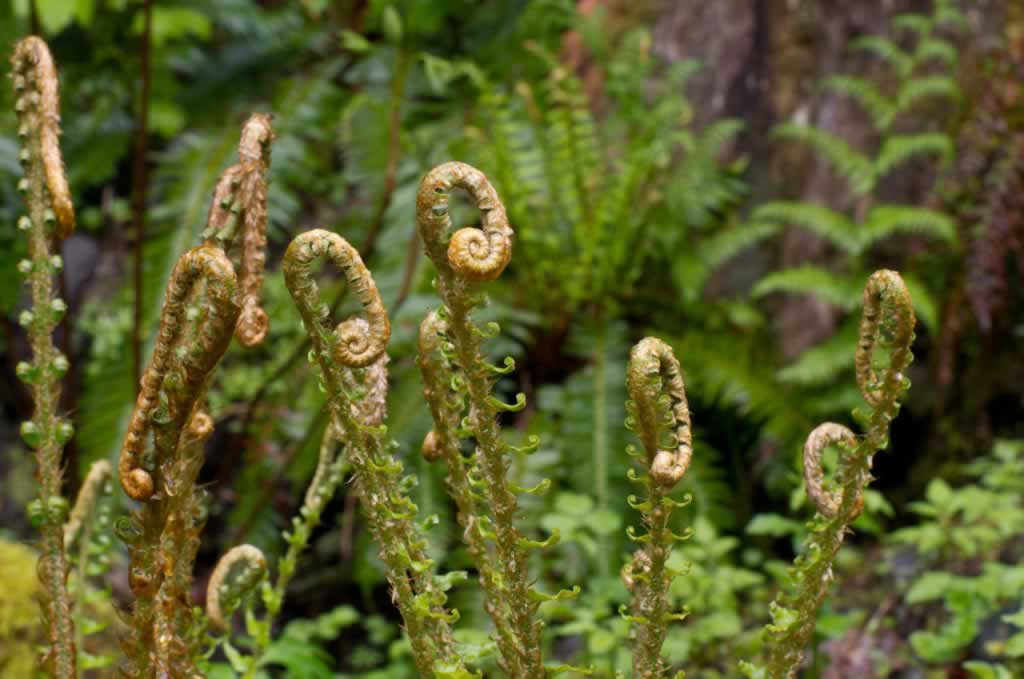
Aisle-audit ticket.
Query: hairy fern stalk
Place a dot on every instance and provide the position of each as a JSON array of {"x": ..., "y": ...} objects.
[{"x": 213, "y": 296}]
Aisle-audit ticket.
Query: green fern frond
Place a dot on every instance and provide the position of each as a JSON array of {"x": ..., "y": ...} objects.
[
  {"x": 827, "y": 223},
  {"x": 919, "y": 89},
  {"x": 867, "y": 96},
  {"x": 887, "y": 51},
  {"x": 949, "y": 16},
  {"x": 886, "y": 220},
  {"x": 822, "y": 364},
  {"x": 727, "y": 243},
  {"x": 936, "y": 49},
  {"x": 842, "y": 291},
  {"x": 900, "y": 148},
  {"x": 852, "y": 165},
  {"x": 914, "y": 23}
]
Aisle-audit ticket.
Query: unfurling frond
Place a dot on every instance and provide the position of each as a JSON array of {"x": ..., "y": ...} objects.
[
  {"x": 659, "y": 414},
  {"x": 223, "y": 592},
  {"x": 888, "y": 324},
  {"x": 176, "y": 376},
  {"x": 471, "y": 253}
]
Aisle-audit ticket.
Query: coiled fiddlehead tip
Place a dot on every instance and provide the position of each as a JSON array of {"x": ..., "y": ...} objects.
[
  {"x": 888, "y": 317},
  {"x": 653, "y": 369},
  {"x": 88, "y": 494},
  {"x": 355, "y": 343},
  {"x": 253, "y": 324},
  {"x": 38, "y": 105},
  {"x": 475, "y": 254},
  {"x": 218, "y": 588},
  {"x": 818, "y": 440}
]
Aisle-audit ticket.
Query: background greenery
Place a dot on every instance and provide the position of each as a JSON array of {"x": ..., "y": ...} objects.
[{"x": 725, "y": 186}]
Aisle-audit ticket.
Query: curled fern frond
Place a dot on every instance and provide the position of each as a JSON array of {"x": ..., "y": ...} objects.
[
  {"x": 653, "y": 370},
  {"x": 661, "y": 418},
  {"x": 888, "y": 319},
  {"x": 179, "y": 371},
  {"x": 351, "y": 343},
  {"x": 38, "y": 107},
  {"x": 474, "y": 254},
  {"x": 824, "y": 435},
  {"x": 220, "y": 590},
  {"x": 351, "y": 358}
]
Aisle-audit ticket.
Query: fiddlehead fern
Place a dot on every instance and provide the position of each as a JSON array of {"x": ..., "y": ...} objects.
[
  {"x": 661, "y": 417},
  {"x": 887, "y": 323},
  {"x": 222, "y": 594},
  {"x": 340, "y": 352},
  {"x": 161, "y": 457},
  {"x": 463, "y": 259},
  {"x": 50, "y": 218},
  {"x": 238, "y": 214}
]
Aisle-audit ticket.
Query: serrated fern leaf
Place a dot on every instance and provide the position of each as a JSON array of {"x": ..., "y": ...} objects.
[
  {"x": 867, "y": 96},
  {"x": 936, "y": 49},
  {"x": 950, "y": 16},
  {"x": 919, "y": 89},
  {"x": 887, "y": 51},
  {"x": 727, "y": 243},
  {"x": 900, "y": 148},
  {"x": 886, "y": 220},
  {"x": 852, "y": 165},
  {"x": 833, "y": 288},
  {"x": 827, "y": 223},
  {"x": 822, "y": 364}
]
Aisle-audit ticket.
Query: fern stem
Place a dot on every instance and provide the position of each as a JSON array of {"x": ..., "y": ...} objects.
[
  {"x": 600, "y": 423},
  {"x": 50, "y": 218}
]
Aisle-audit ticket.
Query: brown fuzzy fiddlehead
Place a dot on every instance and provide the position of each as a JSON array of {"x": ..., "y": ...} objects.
[
  {"x": 184, "y": 377},
  {"x": 162, "y": 456},
  {"x": 823, "y": 436},
  {"x": 222, "y": 594},
  {"x": 462, "y": 260},
  {"x": 661, "y": 418},
  {"x": 887, "y": 324},
  {"x": 351, "y": 354},
  {"x": 238, "y": 215},
  {"x": 50, "y": 218},
  {"x": 353, "y": 343},
  {"x": 38, "y": 107},
  {"x": 474, "y": 254},
  {"x": 887, "y": 310},
  {"x": 653, "y": 370}
]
